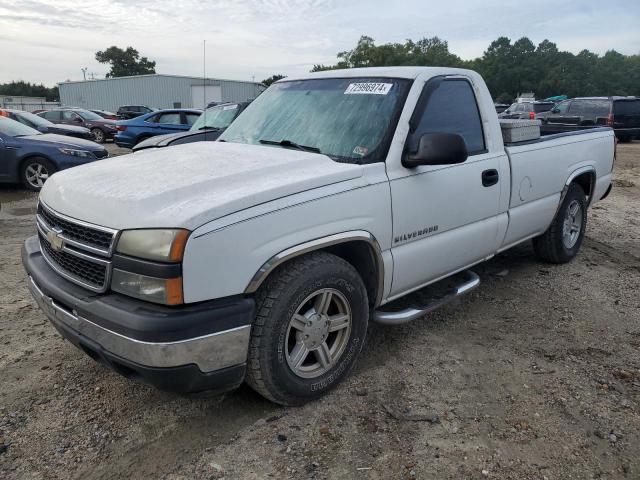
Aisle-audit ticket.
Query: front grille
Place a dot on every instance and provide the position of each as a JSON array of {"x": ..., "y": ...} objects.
[
  {"x": 73, "y": 231},
  {"x": 81, "y": 270}
]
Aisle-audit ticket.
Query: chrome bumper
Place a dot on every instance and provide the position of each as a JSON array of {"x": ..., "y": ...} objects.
[{"x": 210, "y": 352}]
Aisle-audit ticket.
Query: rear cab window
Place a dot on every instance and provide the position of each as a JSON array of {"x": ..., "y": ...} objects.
[{"x": 626, "y": 107}]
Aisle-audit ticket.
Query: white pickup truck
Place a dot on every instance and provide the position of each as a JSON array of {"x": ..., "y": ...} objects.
[{"x": 263, "y": 256}]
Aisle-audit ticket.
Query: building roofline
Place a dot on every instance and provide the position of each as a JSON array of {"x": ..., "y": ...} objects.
[{"x": 157, "y": 75}]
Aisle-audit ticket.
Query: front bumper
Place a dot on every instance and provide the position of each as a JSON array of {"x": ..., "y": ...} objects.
[{"x": 190, "y": 348}]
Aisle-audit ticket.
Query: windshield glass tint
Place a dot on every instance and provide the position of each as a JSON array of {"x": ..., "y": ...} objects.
[
  {"x": 35, "y": 119},
  {"x": 15, "y": 129},
  {"x": 87, "y": 115},
  {"x": 216, "y": 117},
  {"x": 346, "y": 119}
]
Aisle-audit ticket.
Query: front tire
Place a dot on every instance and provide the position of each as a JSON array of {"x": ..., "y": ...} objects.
[
  {"x": 310, "y": 327},
  {"x": 35, "y": 171},
  {"x": 98, "y": 135},
  {"x": 562, "y": 240}
]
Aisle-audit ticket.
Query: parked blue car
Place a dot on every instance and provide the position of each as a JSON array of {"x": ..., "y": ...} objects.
[
  {"x": 161, "y": 122},
  {"x": 30, "y": 157}
]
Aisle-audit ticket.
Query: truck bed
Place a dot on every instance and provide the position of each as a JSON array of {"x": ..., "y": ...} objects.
[{"x": 540, "y": 169}]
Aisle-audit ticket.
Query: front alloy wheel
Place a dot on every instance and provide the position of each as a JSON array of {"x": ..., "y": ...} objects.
[
  {"x": 98, "y": 135},
  {"x": 35, "y": 172},
  {"x": 318, "y": 333},
  {"x": 311, "y": 323}
]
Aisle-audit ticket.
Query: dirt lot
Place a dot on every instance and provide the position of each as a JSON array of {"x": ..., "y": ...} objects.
[{"x": 534, "y": 376}]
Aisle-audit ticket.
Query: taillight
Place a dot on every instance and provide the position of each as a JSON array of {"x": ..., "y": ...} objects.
[
  {"x": 121, "y": 128},
  {"x": 3, "y": 113},
  {"x": 532, "y": 116},
  {"x": 610, "y": 120}
]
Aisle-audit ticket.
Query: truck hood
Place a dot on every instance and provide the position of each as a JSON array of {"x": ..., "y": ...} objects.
[
  {"x": 187, "y": 185},
  {"x": 188, "y": 136}
]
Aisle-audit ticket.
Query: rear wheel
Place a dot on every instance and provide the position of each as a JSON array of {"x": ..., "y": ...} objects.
[
  {"x": 309, "y": 330},
  {"x": 562, "y": 240},
  {"x": 98, "y": 135},
  {"x": 35, "y": 171}
]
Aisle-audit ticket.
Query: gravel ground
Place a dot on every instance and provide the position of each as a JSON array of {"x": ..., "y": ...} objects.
[{"x": 536, "y": 375}]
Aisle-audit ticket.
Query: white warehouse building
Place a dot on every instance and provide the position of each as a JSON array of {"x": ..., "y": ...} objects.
[{"x": 155, "y": 90}]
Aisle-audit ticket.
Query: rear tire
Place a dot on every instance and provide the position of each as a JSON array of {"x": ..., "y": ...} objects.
[
  {"x": 310, "y": 327},
  {"x": 35, "y": 171},
  {"x": 562, "y": 240},
  {"x": 98, "y": 135}
]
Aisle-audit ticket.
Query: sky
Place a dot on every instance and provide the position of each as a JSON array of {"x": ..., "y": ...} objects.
[{"x": 50, "y": 41}]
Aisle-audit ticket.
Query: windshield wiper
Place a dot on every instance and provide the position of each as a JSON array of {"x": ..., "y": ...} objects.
[
  {"x": 289, "y": 143},
  {"x": 215, "y": 129}
]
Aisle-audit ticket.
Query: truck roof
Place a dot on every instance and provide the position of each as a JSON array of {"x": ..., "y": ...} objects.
[{"x": 390, "y": 72}]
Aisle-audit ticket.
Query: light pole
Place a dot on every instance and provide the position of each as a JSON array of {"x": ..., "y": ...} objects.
[{"x": 84, "y": 72}]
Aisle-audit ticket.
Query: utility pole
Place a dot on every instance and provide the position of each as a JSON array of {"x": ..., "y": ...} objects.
[{"x": 84, "y": 72}]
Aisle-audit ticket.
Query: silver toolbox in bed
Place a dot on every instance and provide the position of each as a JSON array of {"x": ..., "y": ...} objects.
[{"x": 519, "y": 130}]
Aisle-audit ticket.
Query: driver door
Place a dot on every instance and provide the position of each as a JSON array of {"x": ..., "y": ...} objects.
[{"x": 445, "y": 216}]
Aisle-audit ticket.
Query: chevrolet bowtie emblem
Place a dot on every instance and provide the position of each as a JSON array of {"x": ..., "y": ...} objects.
[{"x": 55, "y": 239}]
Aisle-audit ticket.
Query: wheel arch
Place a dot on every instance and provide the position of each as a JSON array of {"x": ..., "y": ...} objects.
[
  {"x": 586, "y": 178},
  {"x": 360, "y": 248},
  {"x": 29, "y": 156}
]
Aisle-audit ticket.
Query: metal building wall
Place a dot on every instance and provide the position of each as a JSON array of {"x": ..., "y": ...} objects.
[{"x": 160, "y": 91}]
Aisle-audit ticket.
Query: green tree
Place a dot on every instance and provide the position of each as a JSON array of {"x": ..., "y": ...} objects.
[
  {"x": 125, "y": 62},
  {"x": 27, "y": 89},
  {"x": 509, "y": 68},
  {"x": 273, "y": 78}
]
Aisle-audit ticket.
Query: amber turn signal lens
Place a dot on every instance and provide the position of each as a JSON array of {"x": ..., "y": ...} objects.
[
  {"x": 178, "y": 245},
  {"x": 173, "y": 289}
]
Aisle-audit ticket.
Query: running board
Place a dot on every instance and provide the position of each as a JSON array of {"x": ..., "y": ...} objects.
[{"x": 470, "y": 281}]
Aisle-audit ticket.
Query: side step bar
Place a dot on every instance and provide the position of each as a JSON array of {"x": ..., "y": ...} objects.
[{"x": 470, "y": 282}]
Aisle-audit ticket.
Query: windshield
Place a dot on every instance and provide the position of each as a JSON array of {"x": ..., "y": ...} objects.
[
  {"x": 218, "y": 117},
  {"x": 87, "y": 115},
  {"x": 34, "y": 119},
  {"x": 512, "y": 108},
  {"x": 15, "y": 129},
  {"x": 348, "y": 119}
]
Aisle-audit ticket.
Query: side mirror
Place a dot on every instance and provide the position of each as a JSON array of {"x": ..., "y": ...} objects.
[
  {"x": 555, "y": 110},
  {"x": 77, "y": 119},
  {"x": 437, "y": 149}
]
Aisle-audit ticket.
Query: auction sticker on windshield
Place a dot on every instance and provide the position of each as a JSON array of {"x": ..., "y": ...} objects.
[{"x": 368, "y": 88}]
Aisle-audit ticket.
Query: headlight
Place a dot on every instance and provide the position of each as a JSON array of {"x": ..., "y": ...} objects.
[
  {"x": 166, "y": 245},
  {"x": 75, "y": 153},
  {"x": 167, "y": 291}
]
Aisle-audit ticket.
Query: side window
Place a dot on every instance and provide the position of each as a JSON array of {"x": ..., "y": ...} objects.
[
  {"x": 577, "y": 107},
  {"x": 520, "y": 107},
  {"x": 191, "y": 118},
  {"x": 562, "y": 107},
  {"x": 69, "y": 115},
  {"x": 452, "y": 108},
  {"x": 52, "y": 115},
  {"x": 170, "y": 118}
]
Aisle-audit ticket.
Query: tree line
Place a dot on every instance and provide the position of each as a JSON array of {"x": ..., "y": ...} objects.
[
  {"x": 510, "y": 68},
  {"x": 27, "y": 89}
]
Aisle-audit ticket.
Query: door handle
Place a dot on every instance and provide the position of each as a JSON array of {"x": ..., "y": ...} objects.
[{"x": 490, "y": 177}]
